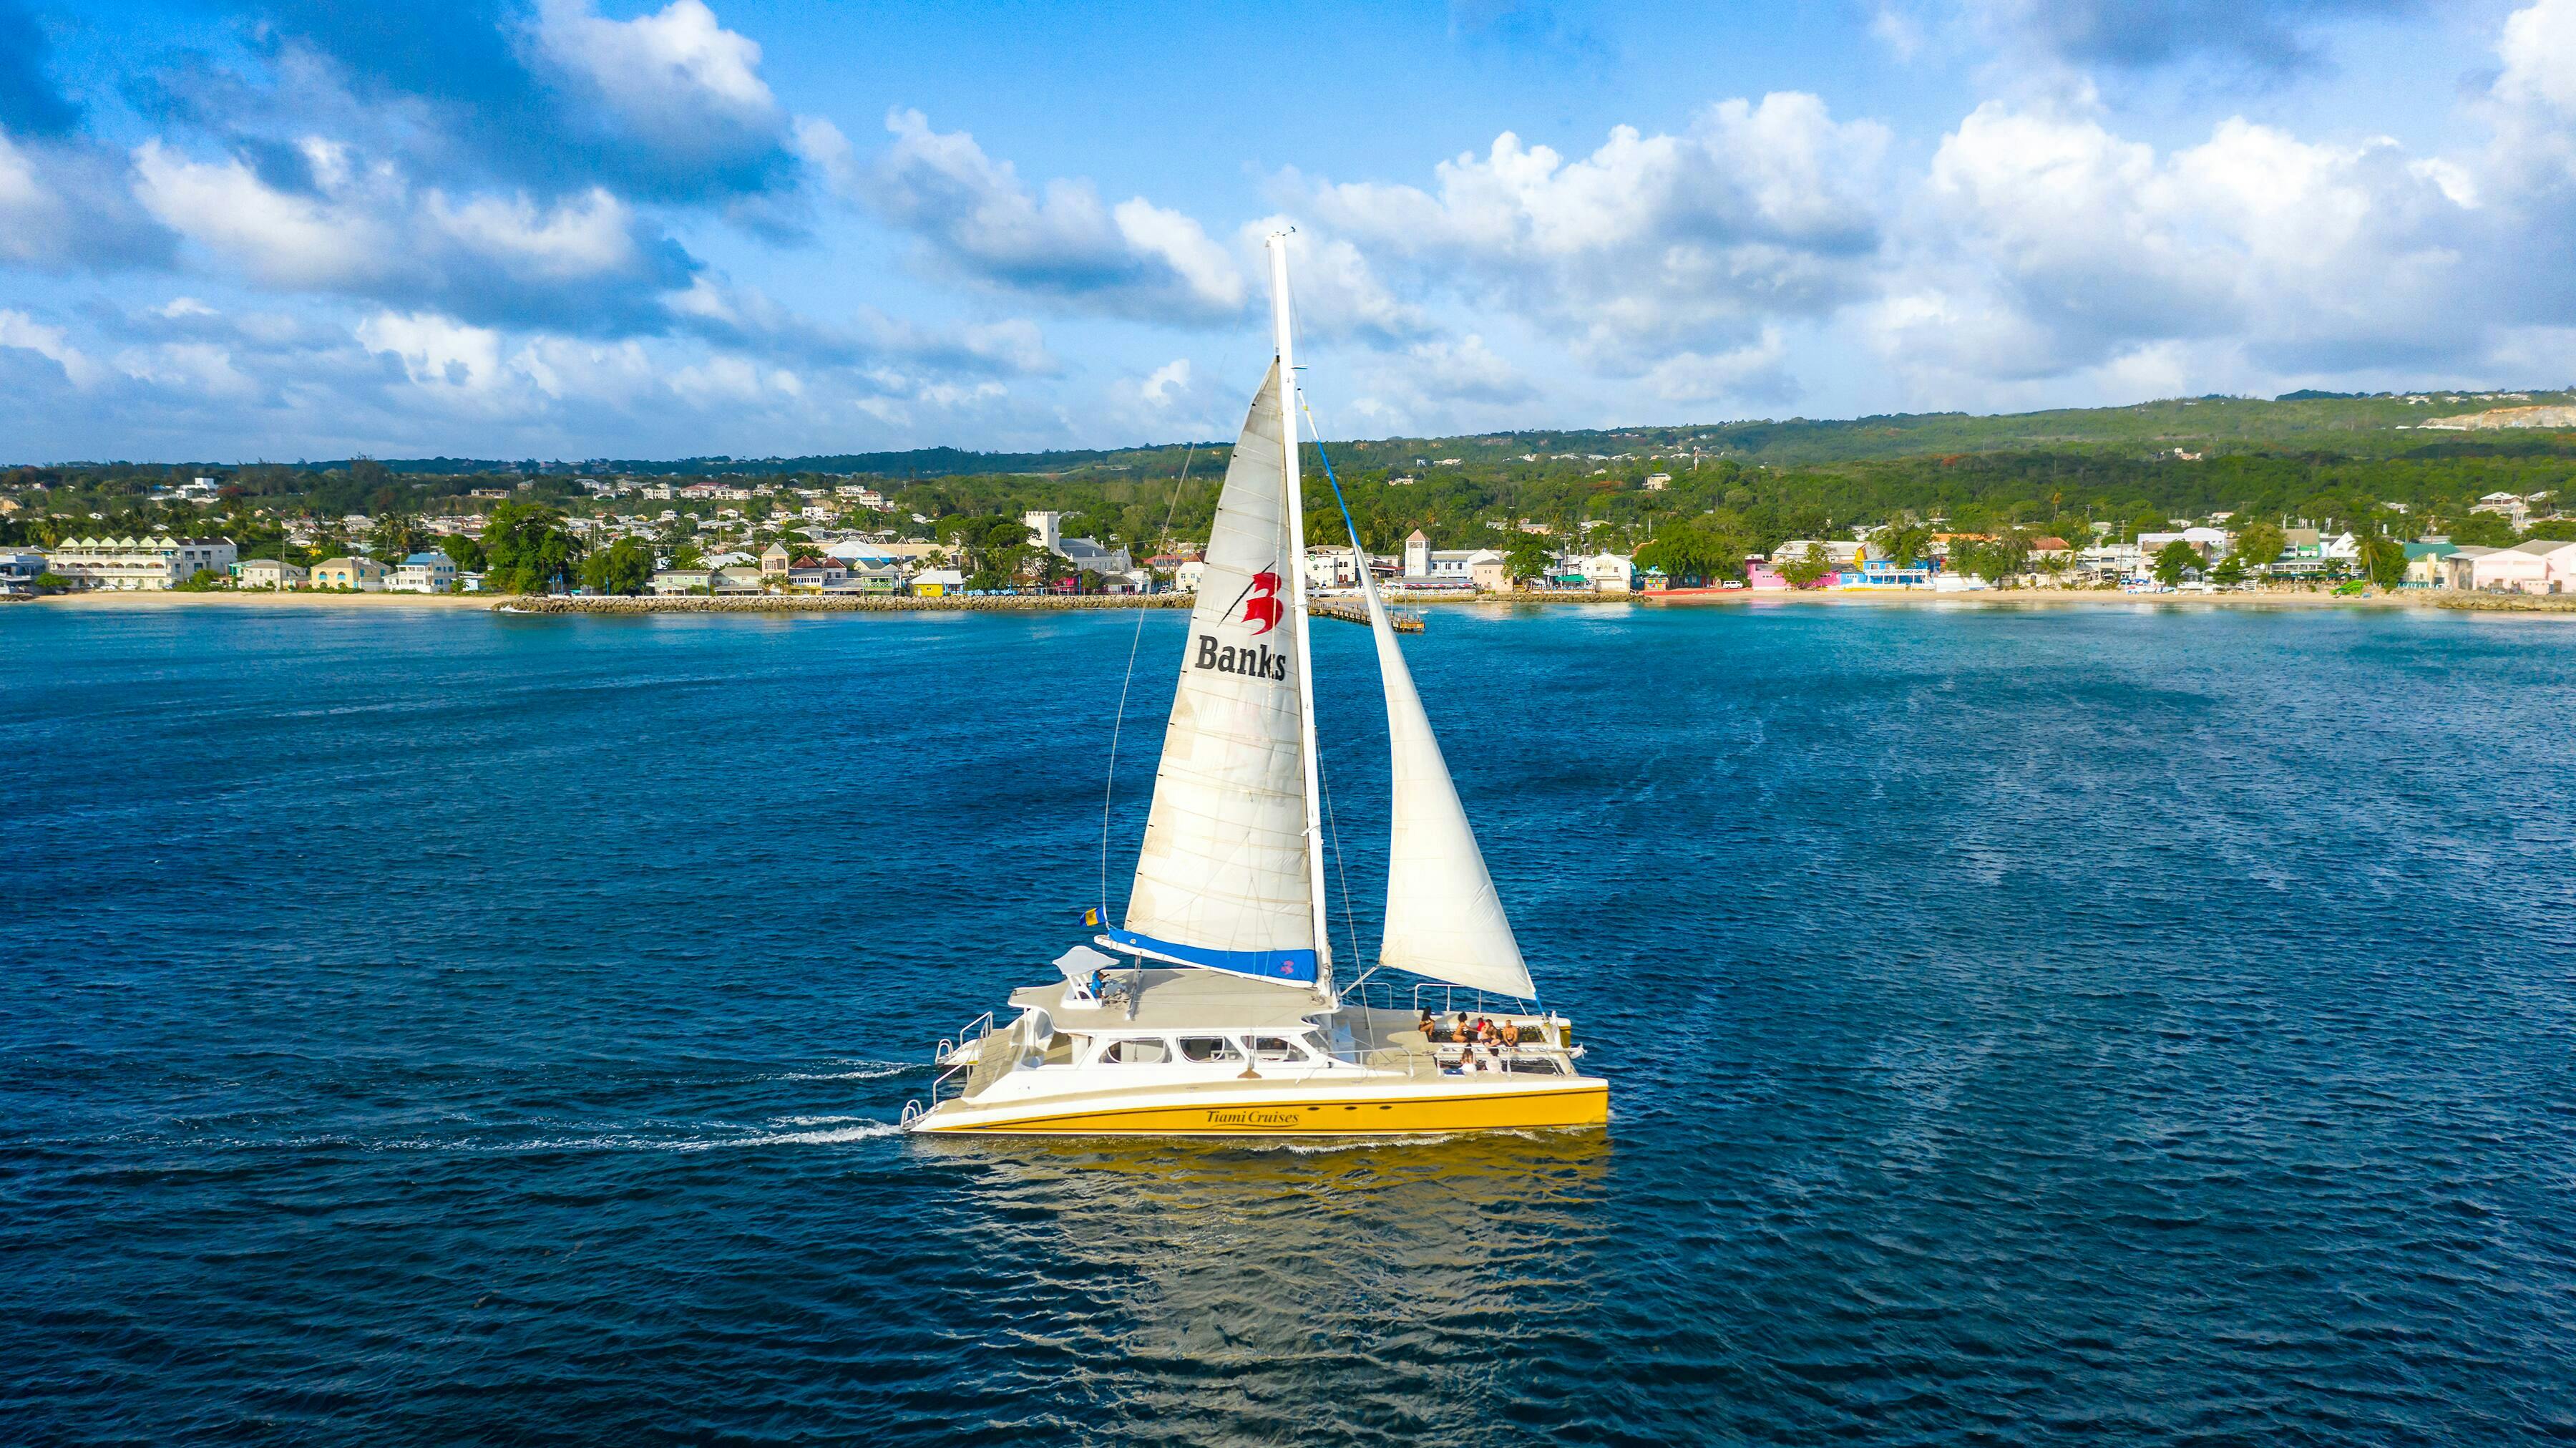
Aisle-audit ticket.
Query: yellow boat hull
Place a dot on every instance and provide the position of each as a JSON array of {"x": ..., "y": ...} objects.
[{"x": 1586, "y": 1104}]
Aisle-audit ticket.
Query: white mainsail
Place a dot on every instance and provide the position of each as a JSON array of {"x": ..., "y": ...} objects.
[
  {"x": 1444, "y": 918},
  {"x": 1225, "y": 877}
]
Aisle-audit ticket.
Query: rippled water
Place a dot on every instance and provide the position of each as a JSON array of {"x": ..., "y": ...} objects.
[{"x": 2138, "y": 1024}]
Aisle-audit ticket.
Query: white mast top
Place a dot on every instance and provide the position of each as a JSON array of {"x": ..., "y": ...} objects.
[{"x": 1281, "y": 330}]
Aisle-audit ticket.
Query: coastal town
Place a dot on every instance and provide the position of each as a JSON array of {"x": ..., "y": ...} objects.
[{"x": 2205, "y": 555}]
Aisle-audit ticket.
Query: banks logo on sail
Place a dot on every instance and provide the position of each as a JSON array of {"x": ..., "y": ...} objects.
[{"x": 1260, "y": 605}]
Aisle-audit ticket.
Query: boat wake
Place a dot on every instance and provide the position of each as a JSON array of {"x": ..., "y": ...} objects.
[{"x": 856, "y": 1071}]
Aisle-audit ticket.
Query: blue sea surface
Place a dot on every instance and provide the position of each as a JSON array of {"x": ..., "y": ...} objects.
[{"x": 2126, "y": 1024}]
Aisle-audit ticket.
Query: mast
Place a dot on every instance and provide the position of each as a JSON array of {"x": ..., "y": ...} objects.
[{"x": 1279, "y": 327}]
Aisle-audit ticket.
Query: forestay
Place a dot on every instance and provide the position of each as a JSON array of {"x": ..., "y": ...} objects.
[
  {"x": 1223, "y": 880},
  {"x": 1444, "y": 918}
]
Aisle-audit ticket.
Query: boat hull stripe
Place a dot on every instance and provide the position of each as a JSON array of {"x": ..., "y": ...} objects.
[{"x": 1586, "y": 1106}]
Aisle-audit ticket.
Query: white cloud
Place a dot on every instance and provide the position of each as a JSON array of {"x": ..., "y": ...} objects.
[
  {"x": 203, "y": 370},
  {"x": 1757, "y": 370},
  {"x": 1168, "y": 381},
  {"x": 437, "y": 352},
  {"x": 2047, "y": 244},
  {"x": 1441, "y": 383},
  {"x": 1651, "y": 243},
  {"x": 976, "y": 218},
  {"x": 2538, "y": 47},
  {"x": 361, "y": 229},
  {"x": 660, "y": 69},
  {"x": 1182, "y": 245},
  {"x": 587, "y": 237},
  {"x": 1338, "y": 292},
  {"x": 25, "y": 333},
  {"x": 318, "y": 241}
]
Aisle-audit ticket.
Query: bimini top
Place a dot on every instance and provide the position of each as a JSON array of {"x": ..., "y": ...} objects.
[{"x": 1181, "y": 1000}]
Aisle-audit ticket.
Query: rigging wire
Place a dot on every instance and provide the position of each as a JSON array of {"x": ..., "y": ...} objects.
[
  {"x": 1109, "y": 789},
  {"x": 1350, "y": 918}
]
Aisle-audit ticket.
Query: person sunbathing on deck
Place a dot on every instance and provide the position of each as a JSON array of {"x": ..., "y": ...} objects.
[
  {"x": 1511, "y": 1033},
  {"x": 1429, "y": 1026}
]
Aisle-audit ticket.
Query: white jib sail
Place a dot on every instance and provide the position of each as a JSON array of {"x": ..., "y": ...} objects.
[
  {"x": 1224, "y": 865},
  {"x": 1443, "y": 916}
]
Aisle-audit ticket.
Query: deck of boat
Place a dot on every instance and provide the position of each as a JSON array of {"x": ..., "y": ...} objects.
[{"x": 1178, "y": 1000}]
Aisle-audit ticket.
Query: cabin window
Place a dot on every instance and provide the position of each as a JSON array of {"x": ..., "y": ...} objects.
[
  {"x": 1134, "y": 1053},
  {"x": 1275, "y": 1048},
  {"x": 1208, "y": 1048}
]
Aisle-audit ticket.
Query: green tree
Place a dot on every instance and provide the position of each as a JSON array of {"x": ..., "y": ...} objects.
[
  {"x": 2257, "y": 545},
  {"x": 2383, "y": 560},
  {"x": 624, "y": 566},
  {"x": 1993, "y": 559},
  {"x": 527, "y": 548},
  {"x": 1526, "y": 557},
  {"x": 397, "y": 536},
  {"x": 1809, "y": 566},
  {"x": 2480, "y": 530},
  {"x": 1687, "y": 549},
  {"x": 2174, "y": 560},
  {"x": 1906, "y": 544},
  {"x": 204, "y": 580},
  {"x": 467, "y": 553}
]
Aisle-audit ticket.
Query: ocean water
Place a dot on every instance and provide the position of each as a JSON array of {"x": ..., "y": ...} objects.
[{"x": 2136, "y": 1024}]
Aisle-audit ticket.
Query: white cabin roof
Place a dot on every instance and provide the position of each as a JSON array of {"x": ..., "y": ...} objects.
[{"x": 1182, "y": 1000}]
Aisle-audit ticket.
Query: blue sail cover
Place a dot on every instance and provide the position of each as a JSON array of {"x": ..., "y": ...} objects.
[{"x": 1291, "y": 967}]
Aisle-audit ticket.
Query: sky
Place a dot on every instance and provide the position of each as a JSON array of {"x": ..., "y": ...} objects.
[{"x": 235, "y": 230}]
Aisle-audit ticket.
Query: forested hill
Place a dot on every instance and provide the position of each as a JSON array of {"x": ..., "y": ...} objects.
[{"x": 2379, "y": 425}]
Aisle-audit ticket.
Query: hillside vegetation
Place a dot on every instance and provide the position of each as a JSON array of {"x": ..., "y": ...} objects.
[{"x": 2364, "y": 462}]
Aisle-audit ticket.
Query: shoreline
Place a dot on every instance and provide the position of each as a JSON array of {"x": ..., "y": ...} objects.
[{"x": 1733, "y": 598}]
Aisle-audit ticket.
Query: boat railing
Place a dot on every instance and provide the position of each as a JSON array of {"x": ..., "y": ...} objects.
[
  {"x": 977, "y": 1033},
  {"x": 1000, "y": 1053},
  {"x": 1434, "y": 997}
]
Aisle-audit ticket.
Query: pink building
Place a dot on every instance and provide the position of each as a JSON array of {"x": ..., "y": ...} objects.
[{"x": 2542, "y": 565}]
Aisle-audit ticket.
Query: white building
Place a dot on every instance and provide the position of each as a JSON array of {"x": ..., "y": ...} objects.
[
  {"x": 1083, "y": 553},
  {"x": 2507, "y": 506},
  {"x": 142, "y": 563},
  {"x": 424, "y": 573},
  {"x": 2208, "y": 542},
  {"x": 1609, "y": 572},
  {"x": 1331, "y": 567},
  {"x": 272, "y": 574},
  {"x": 1185, "y": 579},
  {"x": 1429, "y": 567}
]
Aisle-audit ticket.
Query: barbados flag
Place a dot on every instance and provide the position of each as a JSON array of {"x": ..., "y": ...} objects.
[{"x": 1091, "y": 917}]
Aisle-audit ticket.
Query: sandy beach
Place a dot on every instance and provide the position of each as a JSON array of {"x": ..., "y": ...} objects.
[
  {"x": 1731, "y": 598},
  {"x": 121, "y": 598}
]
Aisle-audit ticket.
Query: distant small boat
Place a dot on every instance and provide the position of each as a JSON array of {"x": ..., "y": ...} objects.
[{"x": 1226, "y": 1017}]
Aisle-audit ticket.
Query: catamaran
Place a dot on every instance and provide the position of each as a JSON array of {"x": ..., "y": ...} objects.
[{"x": 1215, "y": 1010}]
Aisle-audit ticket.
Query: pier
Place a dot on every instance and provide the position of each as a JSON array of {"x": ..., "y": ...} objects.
[{"x": 1351, "y": 610}]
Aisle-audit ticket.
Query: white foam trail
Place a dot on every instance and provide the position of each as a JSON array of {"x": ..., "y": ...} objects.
[{"x": 859, "y": 1071}]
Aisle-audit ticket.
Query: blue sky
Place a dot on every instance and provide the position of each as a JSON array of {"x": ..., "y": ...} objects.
[{"x": 238, "y": 229}]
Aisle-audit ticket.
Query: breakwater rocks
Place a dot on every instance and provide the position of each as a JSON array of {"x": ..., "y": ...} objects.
[
  {"x": 839, "y": 603},
  {"x": 2506, "y": 602}
]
